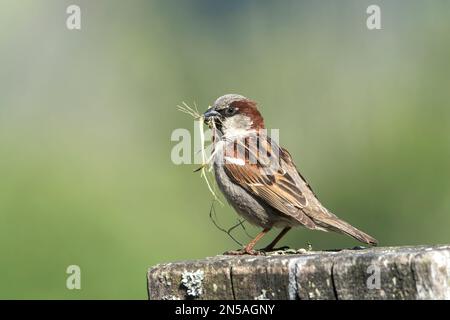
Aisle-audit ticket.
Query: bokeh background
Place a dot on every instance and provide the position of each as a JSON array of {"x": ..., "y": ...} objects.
[{"x": 86, "y": 118}]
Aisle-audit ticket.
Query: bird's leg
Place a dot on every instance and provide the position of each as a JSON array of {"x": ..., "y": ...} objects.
[
  {"x": 248, "y": 249},
  {"x": 274, "y": 242}
]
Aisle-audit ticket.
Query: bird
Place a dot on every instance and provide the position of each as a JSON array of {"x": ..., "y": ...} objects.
[{"x": 260, "y": 180}]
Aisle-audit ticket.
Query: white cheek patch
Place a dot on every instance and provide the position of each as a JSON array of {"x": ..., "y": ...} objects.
[
  {"x": 237, "y": 161},
  {"x": 237, "y": 125}
]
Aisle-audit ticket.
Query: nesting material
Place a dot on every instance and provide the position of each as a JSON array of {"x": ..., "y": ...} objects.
[{"x": 206, "y": 166}]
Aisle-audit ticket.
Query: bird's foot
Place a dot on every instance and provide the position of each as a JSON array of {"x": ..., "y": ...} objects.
[
  {"x": 244, "y": 251},
  {"x": 271, "y": 249},
  {"x": 286, "y": 251}
]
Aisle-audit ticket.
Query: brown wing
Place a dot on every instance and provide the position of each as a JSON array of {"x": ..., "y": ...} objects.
[
  {"x": 286, "y": 156},
  {"x": 265, "y": 170}
]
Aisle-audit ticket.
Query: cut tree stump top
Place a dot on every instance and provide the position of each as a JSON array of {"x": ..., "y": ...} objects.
[{"x": 420, "y": 272}]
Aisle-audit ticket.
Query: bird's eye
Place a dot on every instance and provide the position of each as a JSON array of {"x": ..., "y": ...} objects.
[{"x": 230, "y": 111}]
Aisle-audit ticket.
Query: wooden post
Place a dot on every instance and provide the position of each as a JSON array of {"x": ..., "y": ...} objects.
[{"x": 421, "y": 272}]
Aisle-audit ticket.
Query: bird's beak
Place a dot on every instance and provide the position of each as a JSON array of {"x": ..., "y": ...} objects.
[{"x": 210, "y": 113}]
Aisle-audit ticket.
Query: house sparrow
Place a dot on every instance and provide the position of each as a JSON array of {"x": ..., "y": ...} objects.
[{"x": 260, "y": 180}]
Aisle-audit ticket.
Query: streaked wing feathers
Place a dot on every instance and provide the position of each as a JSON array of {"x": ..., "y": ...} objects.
[{"x": 269, "y": 177}]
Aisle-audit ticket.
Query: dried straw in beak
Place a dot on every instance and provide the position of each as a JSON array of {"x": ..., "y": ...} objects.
[{"x": 193, "y": 112}]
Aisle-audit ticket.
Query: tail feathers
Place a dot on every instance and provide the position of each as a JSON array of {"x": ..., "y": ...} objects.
[{"x": 341, "y": 226}]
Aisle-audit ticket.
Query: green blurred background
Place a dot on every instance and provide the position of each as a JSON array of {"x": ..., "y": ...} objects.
[{"x": 86, "y": 118}]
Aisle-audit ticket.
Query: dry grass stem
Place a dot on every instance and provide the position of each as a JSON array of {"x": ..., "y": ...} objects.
[{"x": 206, "y": 162}]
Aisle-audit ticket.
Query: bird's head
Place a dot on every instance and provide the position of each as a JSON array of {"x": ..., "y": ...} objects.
[{"x": 233, "y": 114}]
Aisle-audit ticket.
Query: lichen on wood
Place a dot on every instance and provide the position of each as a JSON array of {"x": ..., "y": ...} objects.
[{"x": 421, "y": 272}]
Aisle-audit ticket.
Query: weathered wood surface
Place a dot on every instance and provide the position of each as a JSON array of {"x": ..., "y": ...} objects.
[{"x": 421, "y": 272}]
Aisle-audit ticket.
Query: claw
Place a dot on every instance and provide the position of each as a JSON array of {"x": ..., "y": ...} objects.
[{"x": 244, "y": 251}]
